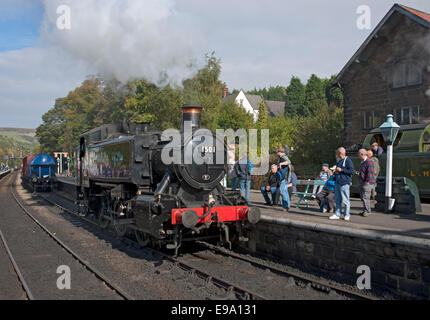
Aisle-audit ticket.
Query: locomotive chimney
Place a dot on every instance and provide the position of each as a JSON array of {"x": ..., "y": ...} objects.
[{"x": 192, "y": 113}]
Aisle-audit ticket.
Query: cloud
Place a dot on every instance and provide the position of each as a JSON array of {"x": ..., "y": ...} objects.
[
  {"x": 126, "y": 38},
  {"x": 30, "y": 81}
]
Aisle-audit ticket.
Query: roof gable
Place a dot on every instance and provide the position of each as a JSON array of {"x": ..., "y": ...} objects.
[{"x": 418, "y": 16}]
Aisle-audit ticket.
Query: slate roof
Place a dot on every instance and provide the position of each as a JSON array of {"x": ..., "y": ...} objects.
[{"x": 275, "y": 108}]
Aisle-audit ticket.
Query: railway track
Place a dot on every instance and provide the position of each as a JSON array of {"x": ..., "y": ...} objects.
[
  {"x": 119, "y": 291},
  {"x": 231, "y": 288},
  {"x": 16, "y": 268},
  {"x": 319, "y": 285}
]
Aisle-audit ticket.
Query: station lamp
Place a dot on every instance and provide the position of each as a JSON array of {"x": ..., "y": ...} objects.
[{"x": 389, "y": 131}]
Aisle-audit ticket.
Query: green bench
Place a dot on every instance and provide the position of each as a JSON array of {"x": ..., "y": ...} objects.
[{"x": 307, "y": 193}]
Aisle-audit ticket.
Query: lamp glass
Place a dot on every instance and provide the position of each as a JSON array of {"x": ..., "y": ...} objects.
[{"x": 389, "y": 129}]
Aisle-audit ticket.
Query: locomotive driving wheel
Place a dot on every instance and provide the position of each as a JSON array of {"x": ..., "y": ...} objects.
[
  {"x": 103, "y": 212},
  {"x": 120, "y": 213},
  {"x": 143, "y": 239}
]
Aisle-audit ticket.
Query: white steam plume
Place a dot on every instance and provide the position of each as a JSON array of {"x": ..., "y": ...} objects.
[{"x": 126, "y": 39}]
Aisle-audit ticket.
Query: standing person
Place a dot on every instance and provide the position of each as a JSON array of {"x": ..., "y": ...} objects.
[
  {"x": 327, "y": 194},
  {"x": 366, "y": 180},
  {"x": 272, "y": 185},
  {"x": 376, "y": 170},
  {"x": 231, "y": 164},
  {"x": 377, "y": 150},
  {"x": 243, "y": 169},
  {"x": 343, "y": 176},
  {"x": 323, "y": 176},
  {"x": 283, "y": 165}
]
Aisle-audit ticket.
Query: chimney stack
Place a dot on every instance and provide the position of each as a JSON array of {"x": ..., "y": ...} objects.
[
  {"x": 192, "y": 113},
  {"x": 225, "y": 92}
]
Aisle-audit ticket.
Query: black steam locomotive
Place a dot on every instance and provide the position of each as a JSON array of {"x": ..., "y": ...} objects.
[{"x": 124, "y": 180}]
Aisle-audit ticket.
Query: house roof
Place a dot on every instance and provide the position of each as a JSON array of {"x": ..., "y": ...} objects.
[
  {"x": 275, "y": 108},
  {"x": 253, "y": 99},
  {"x": 418, "y": 13},
  {"x": 364, "y": 52}
]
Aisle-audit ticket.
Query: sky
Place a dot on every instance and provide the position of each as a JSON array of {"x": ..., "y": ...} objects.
[{"x": 260, "y": 43}]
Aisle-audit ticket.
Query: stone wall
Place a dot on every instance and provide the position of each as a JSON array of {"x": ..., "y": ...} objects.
[{"x": 398, "y": 264}]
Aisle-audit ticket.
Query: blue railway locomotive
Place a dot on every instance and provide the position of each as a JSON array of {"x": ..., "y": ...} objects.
[{"x": 38, "y": 172}]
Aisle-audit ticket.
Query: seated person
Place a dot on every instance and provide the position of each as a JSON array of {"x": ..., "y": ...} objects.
[
  {"x": 327, "y": 196},
  {"x": 323, "y": 176},
  {"x": 272, "y": 185}
]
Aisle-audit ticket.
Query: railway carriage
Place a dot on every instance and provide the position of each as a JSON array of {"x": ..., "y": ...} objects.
[
  {"x": 38, "y": 172},
  {"x": 411, "y": 155},
  {"x": 123, "y": 181}
]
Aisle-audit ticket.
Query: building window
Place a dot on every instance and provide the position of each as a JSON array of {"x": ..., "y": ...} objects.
[
  {"x": 407, "y": 115},
  {"x": 372, "y": 119},
  {"x": 407, "y": 74}
]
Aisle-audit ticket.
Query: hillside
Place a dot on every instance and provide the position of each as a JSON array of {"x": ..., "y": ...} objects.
[{"x": 13, "y": 138}]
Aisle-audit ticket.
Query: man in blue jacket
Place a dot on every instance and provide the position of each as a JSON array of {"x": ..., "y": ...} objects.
[
  {"x": 243, "y": 169},
  {"x": 343, "y": 177}
]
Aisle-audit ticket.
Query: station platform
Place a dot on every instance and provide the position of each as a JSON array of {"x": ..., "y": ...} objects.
[{"x": 417, "y": 225}]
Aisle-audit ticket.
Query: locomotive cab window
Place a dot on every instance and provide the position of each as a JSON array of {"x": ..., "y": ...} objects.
[{"x": 82, "y": 147}]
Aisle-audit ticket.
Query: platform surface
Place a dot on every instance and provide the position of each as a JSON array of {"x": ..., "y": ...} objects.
[{"x": 417, "y": 225}]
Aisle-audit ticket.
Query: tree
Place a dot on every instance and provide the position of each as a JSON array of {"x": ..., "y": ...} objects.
[
  {"x": 273, "y": 93},
  {"x": 207, "y": 90},
  {"x": 318, "y": 136},
  {"x": 334, "y": 94},
  {"x": 294, "y": 97},
  {"x": 232, "y": 116},
  {"x": 315, "y": 96},
  {"x": 262, "y": 116}
]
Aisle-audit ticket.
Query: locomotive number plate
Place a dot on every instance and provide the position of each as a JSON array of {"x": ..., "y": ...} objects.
[{"x": 208, "y": 149}]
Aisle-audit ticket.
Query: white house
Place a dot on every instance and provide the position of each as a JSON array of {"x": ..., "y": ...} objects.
[{"x": 251, "y": 103}]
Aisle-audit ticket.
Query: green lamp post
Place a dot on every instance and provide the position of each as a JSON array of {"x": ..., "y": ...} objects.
[{"x": 389, "y": 130}]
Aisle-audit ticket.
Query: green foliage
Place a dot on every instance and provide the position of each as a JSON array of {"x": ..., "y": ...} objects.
[
  {"x": 149, "y": 103},
  {"x": 295, "y": 97},
  {"x": 334, "y": 94},
  {"x": 315, "y": 98},
  {"x": 231, "y": 116},
  {"x": 206, "y": 89},
  {"x": 317, "y": 138},
  {"x": 262, "y": 120},
  {"x": 283, "y": 131},
  {"x": 273, "y": 93}
]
